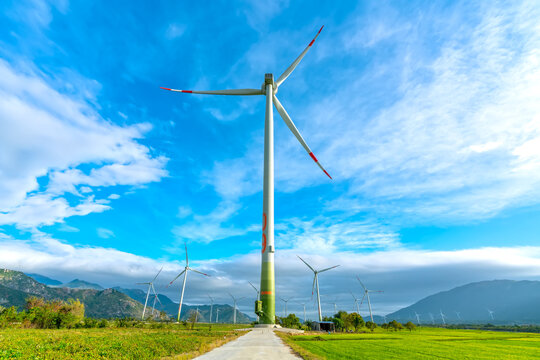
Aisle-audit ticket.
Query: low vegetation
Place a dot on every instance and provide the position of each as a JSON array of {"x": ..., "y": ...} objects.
[{"x": 422, "y": 343}]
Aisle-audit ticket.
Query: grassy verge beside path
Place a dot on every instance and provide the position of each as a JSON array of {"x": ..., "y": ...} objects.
[
  {"x": 424, "y": 343},
  {"x": 113, "y": 343}
]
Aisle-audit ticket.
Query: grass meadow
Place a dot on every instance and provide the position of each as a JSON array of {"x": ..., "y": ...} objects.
[
  {"x": 422, "y": 343},
  {"x": 171, "y": 342}
]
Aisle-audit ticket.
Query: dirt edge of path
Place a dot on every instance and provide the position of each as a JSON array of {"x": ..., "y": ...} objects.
[{"x": 295, "y": 348}]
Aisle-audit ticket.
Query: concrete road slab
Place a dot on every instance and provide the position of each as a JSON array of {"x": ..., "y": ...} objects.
[{"x": 256, "y": 344}]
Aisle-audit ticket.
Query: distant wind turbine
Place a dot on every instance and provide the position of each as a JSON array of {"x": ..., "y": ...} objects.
[
  {"x": 150, "y": 286},
  {"x": 457, "y": 314},
  {"x": 285, "y": 308},
  {"x": 156, "y": 298},
  {"x": 185, "y": 272},
  {"x": 217, "y": 315},
  {"x": 442, "y": 316},
  {"x": 304, "y": 305},
  {"x": 316, "y": 283},
  {"x": 258, "y": 296},
  {"x": 356, "y": 303},
  {"x": 432, "y": 318},
  {"x": 235, "y": 300},
  {"x": 366, "y": 294},
  {"x": 491, "y": 314},
  {"x": 417, "y": 318},
  {"x": 211, "y": 307}
]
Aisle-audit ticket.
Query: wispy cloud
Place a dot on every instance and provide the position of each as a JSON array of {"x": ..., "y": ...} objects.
[
  {"x": 46, "y": 135},
  {"x": 104, "y": 233}
]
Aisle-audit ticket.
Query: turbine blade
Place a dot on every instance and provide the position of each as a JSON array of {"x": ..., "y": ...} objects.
[
  {"x": 361, "y": 283},
  {"x": 177, "y": 276},
  {"x": 220, "y": 92},
  {"x": 155, "y": 277},
  {"x": 330, "y": 268},
  {"x": 253, "y": 286},
  {"x": 294, "y": 130},
  {"x": 312, "y": 269},
  {"x": 146, "y": 283},
  {"x": 199, "y": 272},
  {"x": 295, "y": 63},
  {"x": 313, "y": 286},
  {"x": 361, "y": 302}
]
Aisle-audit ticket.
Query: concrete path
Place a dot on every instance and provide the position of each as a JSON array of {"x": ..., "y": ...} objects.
[{"x": 256, "y": 344}]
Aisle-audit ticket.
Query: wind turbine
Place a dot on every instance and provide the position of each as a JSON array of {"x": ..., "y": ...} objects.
[
  {"x": 432, "y": 318},
  {"x": 384, "y": 317},
  {"x": 150, "y": 286},
  {"x": 356, "y": 303},
  {"x": 258, "y": 296},
  {"x": 442, "y": 316},
  {"x": 235, "y": 300},
  {"x": 217, "y": 315},
  {"x": 156, "y": 298},
  {"x": 269, "y": 89},
  {"x": 366, "y": 294},
  {"x": 285, "y": 301},
  {"x": 185, "y": 272},
  {"x": 316, "y": 283},
  {"x": 491, "y": 314},
  {"x": 211, "y": 307},
  {"x": 304, "y": 305},
  {"x": 417, "y": 318},
  {"x": 457, "y": 313}
]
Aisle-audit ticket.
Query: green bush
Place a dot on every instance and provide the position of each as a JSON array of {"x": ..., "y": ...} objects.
[{"x": 54, "y": 314}]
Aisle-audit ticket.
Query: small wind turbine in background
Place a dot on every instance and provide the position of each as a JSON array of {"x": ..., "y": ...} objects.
[
  {"x": 491, "y": 314},
  {"x": 217, "y": 315},
  {"x": 258, "y": 296},
  {"x": 211, "y": 307},
  {"x": 457, "y": 314},
  {"x": 285, "y": 301},
  {"x": 235, "y": 300},
  {"x": 366, "y": 294},
  {"x": 356, "y": 303},
  {"x": 156, "y": 298},
  {"x": 417, "y": 318},
  {"x": 304, "y": 306},
  {"x": 432, "y": 318},
  {"x": 269, "y": 89},
  {"x": 316, "y": 283},
  {"x": 150, "y": 287},
  {"x": 442, "y": 316},
  {"x": 185, "y": 272},
  {"x": 384, "y": 317}
]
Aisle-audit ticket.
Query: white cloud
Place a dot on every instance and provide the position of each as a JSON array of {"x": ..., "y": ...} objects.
[
  {"x": 47, "y": 134},
  {"x": 405, "y": 275},
  {"x": 104, "y": 233},
  {"x": 175, "y": 31}
]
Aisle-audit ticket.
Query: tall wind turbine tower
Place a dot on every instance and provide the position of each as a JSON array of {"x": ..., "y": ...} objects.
[
  {"x": 211, "y": 307},
  {"x": 285, "y": 301},
  {"x": 150, "y": 286},
  {"x": 269, "y": 89},
  {"x": 356, "y": 303},
  {"x": 235, "y": 300},
  {"x": 185, "y": 272},
  {"x": 442, "y": 316},
  {"x": 316, "y": 283}
]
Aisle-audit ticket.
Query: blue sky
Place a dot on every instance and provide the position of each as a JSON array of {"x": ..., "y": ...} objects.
[{"x": 427, "y": 115}]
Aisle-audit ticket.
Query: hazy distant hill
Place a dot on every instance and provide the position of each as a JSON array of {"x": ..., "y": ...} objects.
[
  {"x": 171, "y": 308},
  {"x": 44, "y": 280},
  {"x": 80, "y": 284},
  {"x": 511, "y": 302},
  {"x": 15, "y": 287}
]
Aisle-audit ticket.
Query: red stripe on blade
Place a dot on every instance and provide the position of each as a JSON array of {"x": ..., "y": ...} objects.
[
  {"x": 313, "y": 157},
  {"x": 161, "y": 87},
  {"x": 311, "y": 43},
  {"x": 187, "y": 91},
  {"x": 320, "y": 30},
  {"x": 328, "y": 174}
]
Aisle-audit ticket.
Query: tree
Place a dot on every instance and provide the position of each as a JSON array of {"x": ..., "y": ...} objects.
[
  {"x": 338, "y": 323},
  {"x": 192, "y": 319},
  {"x": 395, "y": 325},
  {"x": 291, "y": 321},
  {"x": 371, "y": 325},
  {"x": 410, "y": 326},
  {"x": 355, "y": 320}
]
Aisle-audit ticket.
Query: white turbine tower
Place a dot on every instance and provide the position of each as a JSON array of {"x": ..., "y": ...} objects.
[
  {"x": 417, "y": 318},
  {"x": 491, "y": 314},
  {"x": 366, "y": 294},
  {"x": 150, "y": 286},
  {"x": 211, "y": 307},
  {"x": 217, "y": 315},
  {"x": 442, "y": 316},
  {"x": 316, "y": 283},
  {"x": 285, "y": 301},
  {"x": 304, "y": 306},
  {"x": 432, "y": 318},
  {"x": 356, "y": 303},
  {"x": 457, "y": 314},
  {"x": 235, "y": 300},
  {"x": 185, "y": 272},
  {"x": 269, "y": 89},
  {"x": 258, "y": 296}
]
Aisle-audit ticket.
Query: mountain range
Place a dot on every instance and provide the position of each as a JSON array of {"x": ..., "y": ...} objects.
[{"x": 16, "y": 287}]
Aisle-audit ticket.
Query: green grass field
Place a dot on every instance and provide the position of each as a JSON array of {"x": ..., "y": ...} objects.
[
  {"x": 113, "y": 343},
  {"x": 423, "y": 343}
]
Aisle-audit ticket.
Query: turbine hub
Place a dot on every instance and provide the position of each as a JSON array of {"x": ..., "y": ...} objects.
[{"x": 269, "y": 79}]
